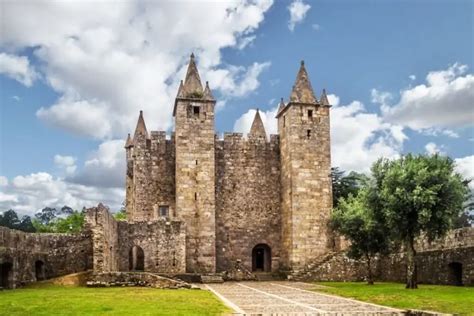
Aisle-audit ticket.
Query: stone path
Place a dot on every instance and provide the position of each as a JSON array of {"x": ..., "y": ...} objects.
[{"x": 290, "y": 298}]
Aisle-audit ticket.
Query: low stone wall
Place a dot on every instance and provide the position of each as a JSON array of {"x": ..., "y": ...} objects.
[
  {"x": 143, "y": 279},
  {"x": 30, "y": 257}
]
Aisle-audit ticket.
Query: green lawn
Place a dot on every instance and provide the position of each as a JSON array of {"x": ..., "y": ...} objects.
[
  {"x": 440, "y": 298},
  {"x": 63, "y": 300}
]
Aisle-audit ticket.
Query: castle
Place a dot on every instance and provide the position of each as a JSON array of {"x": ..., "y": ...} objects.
[{"x": 262, "y": 202}]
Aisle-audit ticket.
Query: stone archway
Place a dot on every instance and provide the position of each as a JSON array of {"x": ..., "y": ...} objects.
[
  {"x": 6, "y": 275},
  {"x": 261, "y": 258},
  {"x": 455, "y": 273},
  {"x": 40, "y": 270},
  {"x": 136, "y": 259}
]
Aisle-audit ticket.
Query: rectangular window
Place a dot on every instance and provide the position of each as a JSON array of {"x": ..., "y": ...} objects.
[
  {"x": 164, "y": 210},
  {"x": 284, "y": 121},
  {"x": 310, "y": 113},
  {"x": 308, "y": 133},
  {"x": 195, "y": 196},
  {"x": 196, "y": 110}
]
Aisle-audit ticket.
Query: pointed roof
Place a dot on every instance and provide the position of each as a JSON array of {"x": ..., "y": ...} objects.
[
  {"x": 324, "y": 99},
  {"x": 257, "y": 129},
  {"x": 192, "y": 82},
  {"x": 180, "y": 93},
  {"x": 141, "y": 127},
  {"x": 302, "y": 91},
  {"x": 282, "y": 105},
  {"x": 129, "y": 142},
  {"x": 207, "y": 92}
]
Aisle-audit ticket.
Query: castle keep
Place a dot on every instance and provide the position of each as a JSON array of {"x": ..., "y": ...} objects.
[{"x": 261, "y": 202}]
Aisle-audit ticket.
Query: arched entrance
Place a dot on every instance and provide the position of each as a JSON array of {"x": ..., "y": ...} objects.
[
  {"x": 40, "y": 271},
  {"x": 455, "y": 273},
  {"x": 261, "y": 258},
  {"x": 6, "y": 275},
  {"x": 136, "y": 259}
]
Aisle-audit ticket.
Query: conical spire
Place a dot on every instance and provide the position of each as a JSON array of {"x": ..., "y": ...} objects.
[
  {"x": 257, "y": 129},
  {"x": 302, "y": 90},
  {"x": 324, "y": 99},
  {"x": 207, "y": 92},
  {"x": 141, "y": 127},
  {"x": 129, "y": 142},
  {"x": 192, "y": 82},
  {"x": 281, "y": 106},
  {"x": 180, "y": 93}
]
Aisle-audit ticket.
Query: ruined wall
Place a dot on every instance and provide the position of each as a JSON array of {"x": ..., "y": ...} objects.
[
  {"x": 306, "y": 183},
  {"x": 247, "y": 199},
  {"x": 195, "y": 181},
  {"x": 29, "y": 257},
  {"x": 150, "y": 177},
  {"x": 163, "y": 243}
]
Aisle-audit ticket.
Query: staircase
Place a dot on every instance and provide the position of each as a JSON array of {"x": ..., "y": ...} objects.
[
  {"x": 212, "y": 278},
  {"x": 312, "y": 268}
]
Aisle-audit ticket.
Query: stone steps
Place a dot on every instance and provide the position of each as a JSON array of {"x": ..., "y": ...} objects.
[{"x": 212, "y": 278}]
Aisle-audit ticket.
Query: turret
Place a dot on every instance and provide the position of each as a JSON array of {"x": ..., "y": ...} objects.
[
  {"x": 303, "y": 125},
  {"x": 257, "y": 130}
]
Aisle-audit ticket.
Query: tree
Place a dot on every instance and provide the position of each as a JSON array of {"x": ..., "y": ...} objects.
[
  {"x": 343, "y": 186},
  {"x": 10, "y": 219},
  {"x": 66, "y": 220},
  {"x": 415, "y": 195},
  {"x": 121, "y": 215},
  {"x": 357, "y": 222},
  {"x": 26, "y": 225}
]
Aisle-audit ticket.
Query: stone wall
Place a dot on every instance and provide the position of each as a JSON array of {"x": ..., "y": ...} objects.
[
  {"x": 162, "y": 242},
  {"x": 306, "y": 182},
  {"x": 29, "y": 257},
  {"x": 247, "y": 199},
  {"x": 150, "y": 177}
]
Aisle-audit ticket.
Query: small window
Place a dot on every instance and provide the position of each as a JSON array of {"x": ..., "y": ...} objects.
[
  {"x": 310, "y": 113},
  {"x": 196, "y": 109},
  {"x": 195, "y": 196},
  {"x": 284, "y": 121},
  {"x": 164, "y": 210},
  {"x": 196, "y": 162},
  {"x": 308, "y": 133}
]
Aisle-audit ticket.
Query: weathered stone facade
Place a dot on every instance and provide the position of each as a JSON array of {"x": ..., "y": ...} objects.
[
  {"x": 261, "y": 202},
  {"x": 29, "y": 257}
]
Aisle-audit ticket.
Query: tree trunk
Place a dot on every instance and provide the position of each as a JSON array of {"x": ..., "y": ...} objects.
[
  {"x": 370, "y": 280},
  {"x": 411, "y": 264}
]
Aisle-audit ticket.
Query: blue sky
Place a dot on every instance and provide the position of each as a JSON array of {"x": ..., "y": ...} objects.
[{"x": 74, "y": 76}]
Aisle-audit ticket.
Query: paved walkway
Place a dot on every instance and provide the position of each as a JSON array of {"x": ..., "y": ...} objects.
[{"x": 290, "y": 298}]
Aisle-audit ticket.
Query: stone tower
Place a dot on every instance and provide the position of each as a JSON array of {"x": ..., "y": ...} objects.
[
  {"x": 195, "y": 170},
  {"x": 303, "y": 125}
]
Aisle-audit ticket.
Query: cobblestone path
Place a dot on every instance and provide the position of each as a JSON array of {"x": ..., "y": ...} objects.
[{"x": 290, "y": 298}]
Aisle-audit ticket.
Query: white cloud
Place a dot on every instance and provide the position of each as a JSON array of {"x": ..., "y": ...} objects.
[
  {"x": 108, "y": 60},
  {"x": 3, "y": 181},
  {"x": 446, "y": 100},
  {"x": 431, "y": 149},
  {"x": 29, "y": 193},
  {"x": 105, "y": 167},
  {"x": 298, "y": 10},
  {"x": 465, "y": 167},
  {"x": 244, "y": 122},
  {"x": 18, "y": 68},
  {"x": 16, "y": 98},
  {"x": 316, "y": 27},
  {"x": 66, "y": 163},
  {"x": 412, "y": 77}
]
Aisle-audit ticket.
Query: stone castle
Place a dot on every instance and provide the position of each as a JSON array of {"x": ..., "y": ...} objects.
[{"x": 262, "y": 202}]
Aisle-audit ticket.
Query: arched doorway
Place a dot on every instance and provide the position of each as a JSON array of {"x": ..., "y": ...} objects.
[
  {"x": 40, "y": 271},
  {"x": 136, "y": 259},
  {"x": 455, "y": 273},
  {"x": 261, "y": 258},
  {"x": 6, "y": 275}
]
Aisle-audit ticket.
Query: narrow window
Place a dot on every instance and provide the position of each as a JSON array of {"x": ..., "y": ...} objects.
[
  {"x": 308, "y": 133},
  {"x": 195, "y": 196},
  {"x": 164, "y": 210},
  {"x": 284, "y": 121},
  {"x": 196, "y": 110},
  {"x": 310, "y": 113},
  {"x": 196, "y": 162}
]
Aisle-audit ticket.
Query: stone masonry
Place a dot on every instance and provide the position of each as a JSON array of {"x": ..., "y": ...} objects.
[{"x": 256, "y": 201}]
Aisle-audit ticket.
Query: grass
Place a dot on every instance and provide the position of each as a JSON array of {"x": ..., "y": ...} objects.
[
  {"x": 68, "y": 300},
  {"x": 439, "y": 298}
]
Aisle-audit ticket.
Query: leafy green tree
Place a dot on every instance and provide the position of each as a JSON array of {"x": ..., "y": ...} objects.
[
  {"x": 121, "y": 215},
  {"x": 357, "y": 222},
  {"x": 11, "y": 220},
  {"x": 26, "y": 225},
  {"x": 416, "y": 195},
  {"x": 72, "y": 223},
  {"x": 343, "y": 186}
]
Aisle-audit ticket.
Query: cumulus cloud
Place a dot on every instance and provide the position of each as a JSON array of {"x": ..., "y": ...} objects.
[
  {"x": 17, "y": 68},
  {"x": 66, "y": 163},
  {"x": 432, "y": 148},
  {"x": 446, "y": 100},
  {"x": 244, "y": 122},
  {"x": 109, "y": 60},
  {"x": 298, "y": 10},
  {"x": 465, "y": 167},
  {"x": 105, "y": 168},
  {"x": 28, "y": 194}
]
